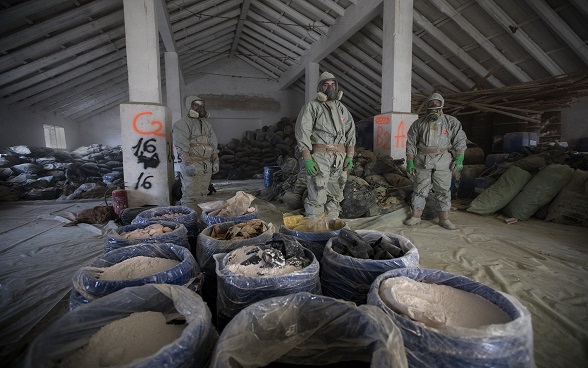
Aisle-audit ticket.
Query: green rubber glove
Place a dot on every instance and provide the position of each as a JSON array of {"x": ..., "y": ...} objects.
[
  {"x": 459, "y": 161},
  {"x": 410, "y": 166},
  {"x": 310, "y": 166},
  {"x": 348, "y": 164}
]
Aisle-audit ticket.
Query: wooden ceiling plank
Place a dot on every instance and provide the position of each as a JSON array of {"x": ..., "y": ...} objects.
[
  {"x": 425, "y": 24},
  {"x": 502, "y": 18},
  {"x": 60, "y": 22},
  {"x": 355, "y": 18},
  {"x": 240, "y": 25},
  {"x": 555, "y": 22},
  {"x": 49, "y": 45},
  {"x": 482, "y": 40}
]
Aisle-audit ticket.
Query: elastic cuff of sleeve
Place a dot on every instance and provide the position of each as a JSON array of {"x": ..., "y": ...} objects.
[
  {"x": 306, "y": 154},
  {"x": 409, "y": 157},
  {"x": 350, "y": 151}
]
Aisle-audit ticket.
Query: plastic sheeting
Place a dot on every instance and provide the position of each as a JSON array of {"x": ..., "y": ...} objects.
[
  {"x": 237, "y": 291},
  {"x": 542, "y": 264},
  {"x": 499, "y": 345},
  {"x": 73, "y": 331},
  {"x": 307, "y": 329},
  {"x": 88, "y": 284},
  {"x": 178, "y": 236},
  {"x": 350, "y": 278}
]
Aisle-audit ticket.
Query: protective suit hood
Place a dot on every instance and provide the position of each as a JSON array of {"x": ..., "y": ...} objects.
[
  {"x": 193, "y": 113},
  {"x": 321, "y": 96},
  {"x": 436, "y": 96}
]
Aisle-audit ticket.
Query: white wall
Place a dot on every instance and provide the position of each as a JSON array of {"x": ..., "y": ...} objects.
[
  {"x": 240, "y": 98},
  {"x": 22, "y": 127},
  {"x": 574, "y": 122},
  {"x": 236, "y": 103}
]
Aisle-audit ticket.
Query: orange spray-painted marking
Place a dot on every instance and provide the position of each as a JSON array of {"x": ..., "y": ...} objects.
[
  {"x": 158, "y": 124},
  {"x": 400, "y": 135}
]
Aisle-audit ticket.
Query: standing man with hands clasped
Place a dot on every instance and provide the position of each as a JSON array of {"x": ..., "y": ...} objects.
[
  {"x": 325, "y": 134},
  {"x": 435, "y": 147},
  {"x": 197, "y": 148}
]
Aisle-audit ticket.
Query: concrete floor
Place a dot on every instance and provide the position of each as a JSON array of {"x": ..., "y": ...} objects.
[{"x": 543, "y": 265}]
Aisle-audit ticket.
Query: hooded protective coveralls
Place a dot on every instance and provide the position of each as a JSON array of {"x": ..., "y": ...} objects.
[
  {"x": 430, "y": 142},
  {"x": 197, "y": 148},
  {"x": 325, "y": 134}
]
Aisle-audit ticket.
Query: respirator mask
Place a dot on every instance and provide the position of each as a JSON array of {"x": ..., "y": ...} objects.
[
  {"x": 197, "y": 109},
  {"x": 434, "y": 110}
]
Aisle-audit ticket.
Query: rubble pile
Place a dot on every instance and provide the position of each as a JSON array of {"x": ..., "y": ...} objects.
[{"x": 34, "y": 173}]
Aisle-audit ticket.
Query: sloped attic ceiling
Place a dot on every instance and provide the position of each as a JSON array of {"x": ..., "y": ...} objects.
[{"x": 68, "y": 56}]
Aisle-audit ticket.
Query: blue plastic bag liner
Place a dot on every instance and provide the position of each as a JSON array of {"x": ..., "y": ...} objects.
[
  {"x": 73, "y": 330},
  {"x": 179, "y": 235},
  {"x": 498, "y": 345},
  {"x": 350, "y": 278},
  {"x": 184, "y": 215},
  {"x": 87, "y": 280},
  {"x": 308, "y": 329},
  {"x": 315, "y": 241},
  {"x": 211, "y": 220},
  {"x": 207, "y": 247},
  {"x": 237, "y": 291}
]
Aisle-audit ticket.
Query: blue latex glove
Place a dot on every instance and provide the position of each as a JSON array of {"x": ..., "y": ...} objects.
[
  {"x": 310, "y": 166},
  {"x": 190, "y": 169},
  {"x": 348, "y": 164},
  {"x": 410, "y": 166},
  {"x": 459, "y": 162}
]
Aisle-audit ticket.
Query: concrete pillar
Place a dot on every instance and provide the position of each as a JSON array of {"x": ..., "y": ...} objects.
[
  {"x": 147, "y": 154},
  {"x": 145, "y": 122},
  {"x": 172, "y": 85},
  {"x": 311, "y": 78},
  {"x": 391, "y": 126},
  {"x": 173, "y": 92}
]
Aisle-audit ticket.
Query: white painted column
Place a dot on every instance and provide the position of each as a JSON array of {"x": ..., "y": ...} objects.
[
  {"x": 311, "y": 78},
  {"x": 145, "y": 122},
  {"x": 172, "y": 85},
  {"x": 391, "y": 126}
]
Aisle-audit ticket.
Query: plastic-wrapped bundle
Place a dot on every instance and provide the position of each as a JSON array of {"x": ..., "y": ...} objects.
[
  {"x": 350, "y": 278},
  {"x": 237, "y": 291},
  {"x": 183, "y": 215},
  {"x": 308, "y": 329},
  {"x": 207, "y": 247},
  {"x": 178, "y": 235},
  {"x": 88, "y": 286},
  {"x": 497, "y": 345},
  {"x": 72, "y": 331}
]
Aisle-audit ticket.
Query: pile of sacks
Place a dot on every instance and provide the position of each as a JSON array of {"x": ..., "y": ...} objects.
[
  {"x": 35, "y": 173},
  {"x": 376, "y": 185},
  {"x": 246, "y": 158},
  {"x": 547, "y": 183}
]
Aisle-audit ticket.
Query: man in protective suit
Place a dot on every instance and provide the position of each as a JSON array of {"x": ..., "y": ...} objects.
[
  {"x": 197, "y": 148},
  {"x": 325, "y": 134},
  {"x": 435, "y": 147}
]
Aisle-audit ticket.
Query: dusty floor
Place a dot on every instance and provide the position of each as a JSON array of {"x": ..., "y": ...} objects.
[{"x": 544, "y": 265}]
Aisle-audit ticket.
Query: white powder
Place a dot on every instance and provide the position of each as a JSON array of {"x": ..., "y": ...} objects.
[
  {"x": 439, "y": 305},
  {"x": 136, "y": 267},
  {"x": 120, "y": 342},
  {"x": 236, "y": 257}
]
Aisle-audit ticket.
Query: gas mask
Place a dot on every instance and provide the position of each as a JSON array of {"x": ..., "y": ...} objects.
[
  {"x": 331, "y": 93},
  {"x": 197, "y": 110},
  {"x": 433, "y": 114},
  {"x": 434, "y": 107}
]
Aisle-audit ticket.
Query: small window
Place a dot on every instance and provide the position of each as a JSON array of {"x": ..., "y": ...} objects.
[{"x": 54, "y": 136}]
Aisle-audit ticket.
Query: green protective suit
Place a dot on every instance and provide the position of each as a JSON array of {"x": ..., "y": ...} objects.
[
  {"x": 433, "y": 169},
  {"x": 325, "y": 123},
  {"x": 197, "y": 146}
]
